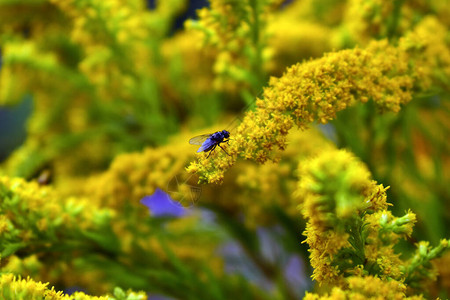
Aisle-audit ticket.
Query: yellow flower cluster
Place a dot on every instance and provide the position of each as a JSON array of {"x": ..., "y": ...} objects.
[
  {"x": 431, "y": 53},
  {"x": 301, "y": 31},
  {"x": 367, "y": 287},
  {"x": 333, "y": 188},
  {"x": 194, "y": 65},
  {"x": 107, "y": 30},
  {"x": 315, "y": 91},
  {"x": 59, "y": 273},
  {"x": 349, "y": 229},
  {"x": 13, "y": 288},
  {"x": 384, "y": 231},
  {"x": 365, "y": 20},
  {"x": 324, "y": 12},
  {"x": 29, "y": 203},
  {"x": 236, "y": 30},
  {"x": 292, "y": 39},
  {"x": 36, "y": 218}
]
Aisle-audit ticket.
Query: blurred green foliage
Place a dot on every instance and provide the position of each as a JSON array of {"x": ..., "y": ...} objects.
[{"x": 116, "y": 95}]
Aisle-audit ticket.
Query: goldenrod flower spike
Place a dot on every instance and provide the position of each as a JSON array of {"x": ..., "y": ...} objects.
[
  {"x": 16, "y": 288},
  {"x": 316, "y": 90},
  {"x": 34, "y": 218},
  {"x": 368, "y": 287},
  {"x": 334, "y": 190},
  {"x": 349, "y": 229},
  {"x": 308, "y": 92}
]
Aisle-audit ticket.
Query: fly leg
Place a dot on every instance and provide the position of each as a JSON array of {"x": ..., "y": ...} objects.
[
  {"x": 212, "y": 149},
  {"x": 222, "y": 148}
]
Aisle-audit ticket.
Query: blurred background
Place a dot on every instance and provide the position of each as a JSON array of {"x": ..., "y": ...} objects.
[
  {"x": 12, "y": 120},
  {"x": 98, "y": 100}
]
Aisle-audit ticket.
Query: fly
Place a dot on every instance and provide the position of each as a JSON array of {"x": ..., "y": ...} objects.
[{"x": 209, "y": 142}]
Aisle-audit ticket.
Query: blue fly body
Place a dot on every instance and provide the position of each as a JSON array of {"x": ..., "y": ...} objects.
[{"x": 209, "y": 142}]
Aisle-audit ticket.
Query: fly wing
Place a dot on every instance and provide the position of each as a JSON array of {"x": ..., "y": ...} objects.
[
  {"x": 206, "y": 145},
  {"x": 199, "y": 139}
]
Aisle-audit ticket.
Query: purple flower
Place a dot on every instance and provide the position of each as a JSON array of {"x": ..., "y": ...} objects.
[
  {"x": 294, "y": 273},
  {"x": 71, "y": 290},
  {"x": 161, "y": 205}
]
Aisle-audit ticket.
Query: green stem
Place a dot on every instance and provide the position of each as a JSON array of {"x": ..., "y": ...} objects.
[
  {"x": 419, "y": 266},
  {"x": 357, "y": 241},
  {"x": 394, "y": 20},
  {"x": 257, "y": 62}
]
